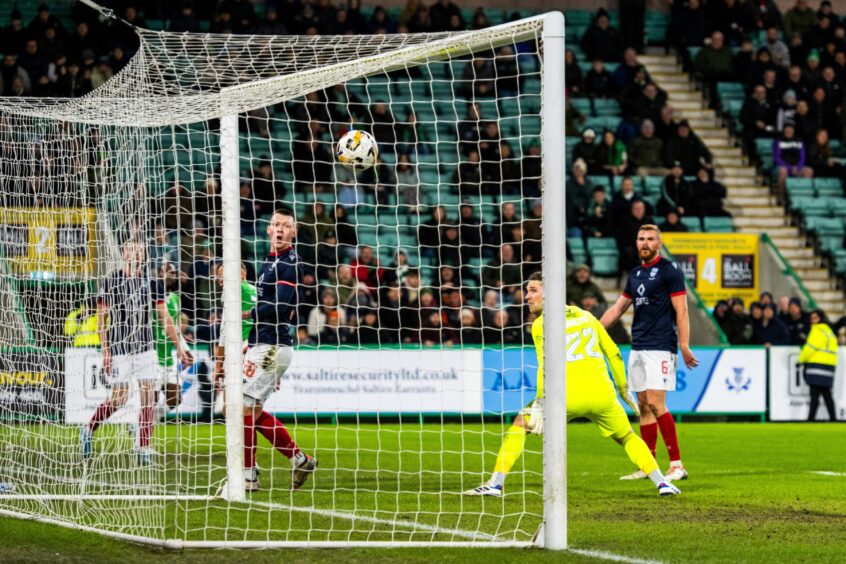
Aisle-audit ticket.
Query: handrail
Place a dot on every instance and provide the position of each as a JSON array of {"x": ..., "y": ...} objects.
[{"x": 787, "y": 270}]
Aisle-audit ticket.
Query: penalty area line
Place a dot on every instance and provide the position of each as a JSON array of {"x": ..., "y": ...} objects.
[
  {"x": 827, "y": 473},
  {"x": 610, "y": 556},
  {"x": 422, "y": 527}
]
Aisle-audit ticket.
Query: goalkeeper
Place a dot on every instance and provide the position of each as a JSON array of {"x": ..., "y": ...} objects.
[{"x": 590, "y": 394}]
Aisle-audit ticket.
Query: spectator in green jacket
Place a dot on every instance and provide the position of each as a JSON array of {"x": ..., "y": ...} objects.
[
  {"x": 646, "y": 152},
  {"x": 799, "y": 19},
  {"x": 580, "y": 284},
  {"x": 714, "y": 62}
]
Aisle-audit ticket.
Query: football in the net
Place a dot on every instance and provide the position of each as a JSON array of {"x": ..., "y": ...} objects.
[{"x": 357, "y": 149}]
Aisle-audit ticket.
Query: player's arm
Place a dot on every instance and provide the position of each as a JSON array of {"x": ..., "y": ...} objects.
[
  {"x": 615, "y": 362},
  {"x": 102, "y": 320},
  {"x": 683, "y": 323},
  {"x": 613, "y": 313},
  {"x": 172, "y": 334}
]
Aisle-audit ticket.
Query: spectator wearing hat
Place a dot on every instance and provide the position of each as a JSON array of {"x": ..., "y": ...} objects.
[
  {"x": 770, "y": 331},
  {"x": 675, "y": 192},
  {"x": 580, "y": 284},
  {"x": 601, "y": 40},
  {"x": 798, "y": 322},
  {"x": 688, "y": 149},
  {"x": 589, "y": 152},
  {"x": 818, "y": 359},
  {"x": 646, "y": 152}
]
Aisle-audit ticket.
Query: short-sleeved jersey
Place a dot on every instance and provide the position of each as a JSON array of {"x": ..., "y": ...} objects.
[
  {"x": 164, "y": 347},
  {"x": 588, "y": 345},
  {"x": 276, "y": 299},
  {"x": 248, "y": 302},
  {"x": 651, "y": 288},
  {"x": 129, "y": 301}
]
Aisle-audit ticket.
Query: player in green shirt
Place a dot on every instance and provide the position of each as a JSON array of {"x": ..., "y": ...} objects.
[
  {"x": 165, "y": 349},
  {"x": 248, "y": 302}
]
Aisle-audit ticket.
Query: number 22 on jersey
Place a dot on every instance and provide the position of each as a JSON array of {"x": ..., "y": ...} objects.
[{"x": 581, "y": 343}]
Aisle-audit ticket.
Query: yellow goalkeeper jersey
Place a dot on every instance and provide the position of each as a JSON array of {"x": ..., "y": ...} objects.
[{"x": 588, "y": 345}]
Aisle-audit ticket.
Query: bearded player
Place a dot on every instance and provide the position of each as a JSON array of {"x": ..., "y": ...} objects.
[
  {"x": 660, "y": 327},
  {"x": 269, "y": 351},
  {"x": 590, "y": 394}
]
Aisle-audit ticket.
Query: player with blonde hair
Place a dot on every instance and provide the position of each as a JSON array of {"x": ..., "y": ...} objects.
[{"x": 590, "y": 394}]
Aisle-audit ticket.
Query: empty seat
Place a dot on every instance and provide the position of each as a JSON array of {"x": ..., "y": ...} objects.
[
  {"x": 692, "y": 222},
  {"x": 718, "y": 224}
]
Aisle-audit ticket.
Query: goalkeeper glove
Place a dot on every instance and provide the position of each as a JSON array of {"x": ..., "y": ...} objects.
[
  {"x": 535, "y": 412},
  {"x": 627, "y": 398}
]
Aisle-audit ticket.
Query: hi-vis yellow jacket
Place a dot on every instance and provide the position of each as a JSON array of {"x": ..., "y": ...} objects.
[
  {"x": 81, "y": 324},
  {"x": 821, "y": 346}
]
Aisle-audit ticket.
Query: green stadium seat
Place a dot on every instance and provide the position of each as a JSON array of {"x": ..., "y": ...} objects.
[
  {"x": 731, "y": 90},
  {"x": 815, "y": 207},
  {"x": 652, "y": 185},
  {"x": 693, "y": 223},
  {"x": 595, "y": 244},
  {"x": 600, "y": 181},
  {"x": 828, "y": 187},
  {"x": 830, "y": 245},
  {"x": 838, "y": 207},
  {"x": 718, "y": 224},
  {"x": 606, "y": 264},
  {"x": 800, "y": 187}
]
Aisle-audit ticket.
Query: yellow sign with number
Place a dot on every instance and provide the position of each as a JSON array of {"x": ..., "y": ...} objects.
[
  {"x": 48, "y": 242},
  {"x": 719, "y": 265}
]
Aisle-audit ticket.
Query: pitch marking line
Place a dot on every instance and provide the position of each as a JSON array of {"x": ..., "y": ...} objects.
[
  {"x": 827, "y": 473},
  {"x": 601, "y": 554},
  {"x": 477, "y": 536}
]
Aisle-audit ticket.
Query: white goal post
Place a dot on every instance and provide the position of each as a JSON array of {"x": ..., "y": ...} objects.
[{"x": 169, "y": 154}]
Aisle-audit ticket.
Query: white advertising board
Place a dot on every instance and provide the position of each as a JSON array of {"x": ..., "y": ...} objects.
[{"x": 790, "y": 397}]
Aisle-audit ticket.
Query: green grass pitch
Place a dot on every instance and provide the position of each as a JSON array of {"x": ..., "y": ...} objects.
[{"x": 753, "y": 495}]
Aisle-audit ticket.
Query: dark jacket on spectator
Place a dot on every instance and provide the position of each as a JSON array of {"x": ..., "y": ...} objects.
[
  {"x": 774, "y": 332},
  {"x": 689, "y": 151},
  {"x": 601, "y": 43},
  {"x": 706, "y": 199},
  {"x": 675, "y": 194},
  {"x": 599, "y": 84},
  {"x": 646, "y": 152}
]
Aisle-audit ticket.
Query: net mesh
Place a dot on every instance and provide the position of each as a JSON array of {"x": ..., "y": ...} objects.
[{"x": 411, "y": 327}]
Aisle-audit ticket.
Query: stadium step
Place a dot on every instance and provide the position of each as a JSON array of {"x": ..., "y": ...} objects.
[{"x": 755, "y": 211}]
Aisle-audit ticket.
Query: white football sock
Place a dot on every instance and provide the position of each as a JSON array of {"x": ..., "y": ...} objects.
[
  {"x": 657, "y": 477},
  {"x": 497, "y": 479}
]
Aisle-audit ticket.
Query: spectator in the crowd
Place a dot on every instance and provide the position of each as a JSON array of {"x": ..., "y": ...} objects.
[
  {"x": 666, "y": 125},
  {"x": 345, "y": 282},
  {"x": 646, "y": 152},
  {"x": 589, "y": 152},
  {"x": 798, "y": 322},
  {"x": 578, "y": 195},
  {"x": 627, "y": 234},
  {"x": 408, "y": 184},
  {"x": 601, "y": 40},
  {"x": 599, "y": 83},
  {"x": 383, "y": 126},
  {"x": 366, "y": 268},
  {"x": 333, "y": 332},
  {"x": 729, "y": 17},
  {"x": 319, "y": 314},
  {"x": 344, "y": 232},
  {"x": 688, "y": 149},
  {"x": 14, "y": 35},
  {"x": 778, "y": 50},
  {"x": 715, "y": 62},
  {"x": 503, "y": 272},
  {"x": 821, "y": 159},
  {"x": 799, "y": 19},
  {"x": 440, "y": 13},
  {"x": 770, "y": 331},
  {"x": 479, "y": 78},
  {"x": 787, "y": 112},
  {"x": 632, "y": 14},
  {"x": 469, "y": 331},
  {"x": 805, "y": 122},
  {"x": 675, "y": 192},
  {"x": 735, "y": 322},
  {"x": 468, "y": 176},
  {"x": 621, "y": 205},
  {"x": 10, "y": 73},
  {"x": 672, "y": 223},
  {"x": 626, "y": 72},
  {"x": 612, "y": 154},
  {"x": 580, "y": 284},
  {"x": 706, "y": 196},
  {"x": 597, "y": 222},
  {"x": 789, "y": 156},
  {"x": 327, "y": 255},
  {"x": 617, "y": 332},
  {"x": 797, "y": 83},
  {"x": 692, "y": 27},
  {"x": 266, "y": 189},
  {"x": 469, "y": 128},
  {"x": 313, "y": 161},
  {"x": 429, "y": 232},
  {"x": 573, "y": 76}
]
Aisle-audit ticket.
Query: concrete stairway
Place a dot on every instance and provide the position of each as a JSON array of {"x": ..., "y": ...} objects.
[{"x": 749, "y": 200}]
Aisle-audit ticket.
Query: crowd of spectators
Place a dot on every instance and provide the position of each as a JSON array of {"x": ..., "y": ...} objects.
[
  {"x": 647, "y": 142},
  {"x": 768, "y": 321},
  {"x": 792, "y": 66}
]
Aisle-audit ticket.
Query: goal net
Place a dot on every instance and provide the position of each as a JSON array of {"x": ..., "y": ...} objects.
[{"x": 412, "y": 350}]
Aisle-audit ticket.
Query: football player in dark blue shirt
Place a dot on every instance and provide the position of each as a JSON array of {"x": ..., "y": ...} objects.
[
  {"x": 660, "y": 327},
  {"x": 124, "y": 323},
  {"x": 269, "y": 350}
]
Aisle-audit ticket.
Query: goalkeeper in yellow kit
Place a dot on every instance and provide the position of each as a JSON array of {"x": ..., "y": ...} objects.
[{"x": 590, "y": 394}]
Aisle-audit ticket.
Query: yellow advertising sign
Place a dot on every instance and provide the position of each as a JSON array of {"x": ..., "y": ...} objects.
[
  {"x": 48, "y": 242},
  {"x": 719, "y": 265}
]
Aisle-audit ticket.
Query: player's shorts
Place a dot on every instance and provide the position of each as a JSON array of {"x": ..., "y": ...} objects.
[
  {"x": 600, "y": 406},
  {"x": 264, "y": 366},
  {"x": 652, "y": 370},
  {"x": 169, "y": 375},
  {"x": 136, "y": 366}
]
